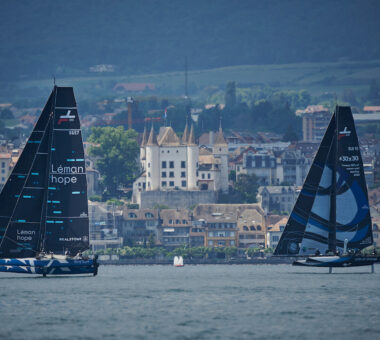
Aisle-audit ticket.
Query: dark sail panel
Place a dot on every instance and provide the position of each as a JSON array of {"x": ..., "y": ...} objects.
[
  {"x": 353, "y": 220},
  {"x": 67, "y": 212},
  {"x": 293, "y": 235},
  {"x": 21, "y": 199}
]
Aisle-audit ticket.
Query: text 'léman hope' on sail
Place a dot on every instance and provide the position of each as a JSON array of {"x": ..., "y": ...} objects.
[
  {"x": 333, "y": 204},
  {"x": 43, "y": 205}
]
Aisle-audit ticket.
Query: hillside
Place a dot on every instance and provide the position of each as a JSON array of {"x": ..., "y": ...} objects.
[{"x": 65, "y": 38}]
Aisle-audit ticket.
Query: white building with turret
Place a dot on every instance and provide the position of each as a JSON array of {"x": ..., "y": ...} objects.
[{"x": 179, "y": 169}]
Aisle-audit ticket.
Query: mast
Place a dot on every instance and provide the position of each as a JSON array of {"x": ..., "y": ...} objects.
[
  {"x": 49, "y": 130},
  {"x": 332, "y": 220}
]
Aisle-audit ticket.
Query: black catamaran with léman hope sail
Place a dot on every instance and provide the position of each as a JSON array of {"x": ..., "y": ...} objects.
[
  {"x": 331, "y": 215},
  {"x": 44, "y": 223}
]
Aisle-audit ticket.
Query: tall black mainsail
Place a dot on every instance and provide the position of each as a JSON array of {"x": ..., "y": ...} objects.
[
  {"x": 333, "y": 204},
  {"x": 43, "y": 205}
]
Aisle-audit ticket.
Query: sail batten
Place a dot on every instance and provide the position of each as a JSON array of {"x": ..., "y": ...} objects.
[{"x": 333, "y": 203}]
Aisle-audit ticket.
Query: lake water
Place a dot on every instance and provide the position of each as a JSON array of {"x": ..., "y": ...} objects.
[{"x": 194, "y": 302}]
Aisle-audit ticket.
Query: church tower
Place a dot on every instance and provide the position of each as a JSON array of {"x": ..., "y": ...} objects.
[
  {"x": 152, "y": 162},
  {"x": 220, "y": 150}
]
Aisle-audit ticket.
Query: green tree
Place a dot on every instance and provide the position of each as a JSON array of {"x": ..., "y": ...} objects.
[
  {"x": 230, "y": 96},
  {"x": 116, "y": 151},
  {"x": 290, "y": 135},
  {"x": 247, "y": 186},
  {"x": 374, "y": 92}
]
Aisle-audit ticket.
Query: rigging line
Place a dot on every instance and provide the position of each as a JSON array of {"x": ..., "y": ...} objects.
[{"x": 23, "y": 187}]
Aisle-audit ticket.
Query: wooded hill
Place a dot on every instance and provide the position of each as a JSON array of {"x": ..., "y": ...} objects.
[{"x": 42, "y": 37}]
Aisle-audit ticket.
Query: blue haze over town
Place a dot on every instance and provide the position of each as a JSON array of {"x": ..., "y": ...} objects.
[{"x": 199, "y": 124}]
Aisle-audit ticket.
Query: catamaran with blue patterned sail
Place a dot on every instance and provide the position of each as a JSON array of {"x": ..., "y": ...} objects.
[
  {"x": 331, "y": 218},
  {"x": 44, "y": 225}
]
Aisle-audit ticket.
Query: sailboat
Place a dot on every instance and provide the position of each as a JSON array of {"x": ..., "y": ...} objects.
[
  {"x": 331, "y": 218},
  {"x": 44, "y": 226},
  {"x": 178, "y": 261}
]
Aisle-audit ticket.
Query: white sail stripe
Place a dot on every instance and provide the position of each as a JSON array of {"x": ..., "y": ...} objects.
[
  {"x": 66, "y": 107},
  {"x": 61, "y": 217},
  {"x": 42, "y": 153}
]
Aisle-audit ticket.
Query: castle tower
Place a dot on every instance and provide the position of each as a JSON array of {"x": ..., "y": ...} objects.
[
  {"x": 192, "y": 160},
  {"x": 142, "y": 149},
  {"x": 152, "y": 162},
  {"x": 185, "y": 136},
  {"x": 220, "y": 150}
]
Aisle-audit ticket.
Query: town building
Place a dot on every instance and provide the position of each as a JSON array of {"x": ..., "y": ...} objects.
[
  {"x": 278, "y": 199},
  {"x": 175, "y": 228},
  {"x": 251, "y": 226},
  {"x": 105, "y": 223},
  {"x": 315, "y": 119},
  {"x": 295, "y": 167},
  {"x": 139, "y": 226},
  {"x": 220, "y": 221},
  {"x": 261, "y": 163},
  {"x": 5, "y": 164},
  {"x": 274, "y": 232}
]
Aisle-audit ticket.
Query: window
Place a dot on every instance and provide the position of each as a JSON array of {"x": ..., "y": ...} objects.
[
  {"x": 245, "y": 228},
  {"x": 132, "y": 215},
  {"x": 163, "y": 174},
  {"x": 163, "y": 183},
  {"x": 184, "y": 222},
  {"x": 170, "y": 221},
  {"x": 252, "y": 228},
  {"x": 139, "y": 184},
  {"x": 171, "y": 164},
  {"x": 3, "y": 164},
  {"x": 258, "y": 227},
  {"x": 148, "y": 215},
  {"x": 148, "y": 165},
  {"x": 183, "y": 164},
  {"x": 148, "y": 184},
  {"x": 210, "y": 243},
  {"x": 203, "y": 176},
  {"x": 183, "y": 183},
  {"x": 208, "y": 176},
  {"x": 275, "y": 238},
  {"x": 183, "y": 174},
  {"x": 232, "y": 243},
  {"x": 171, "y": 174},
  {"x": 148, "y": 174},
  {"x": 177, "y": 221},
  {"x": 163, "y": 164},
  {"x": 171, "y": 184},
  {"x": 2, "y": 171}
]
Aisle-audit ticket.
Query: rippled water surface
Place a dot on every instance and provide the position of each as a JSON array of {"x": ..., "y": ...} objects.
[{"x": 194, "y": 302}]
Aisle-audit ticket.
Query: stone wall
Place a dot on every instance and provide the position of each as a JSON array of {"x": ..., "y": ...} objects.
[{"x": 176, "y": 198}]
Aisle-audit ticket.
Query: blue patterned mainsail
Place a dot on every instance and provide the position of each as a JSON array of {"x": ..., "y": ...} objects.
[{"x": 326, "y": 214}]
